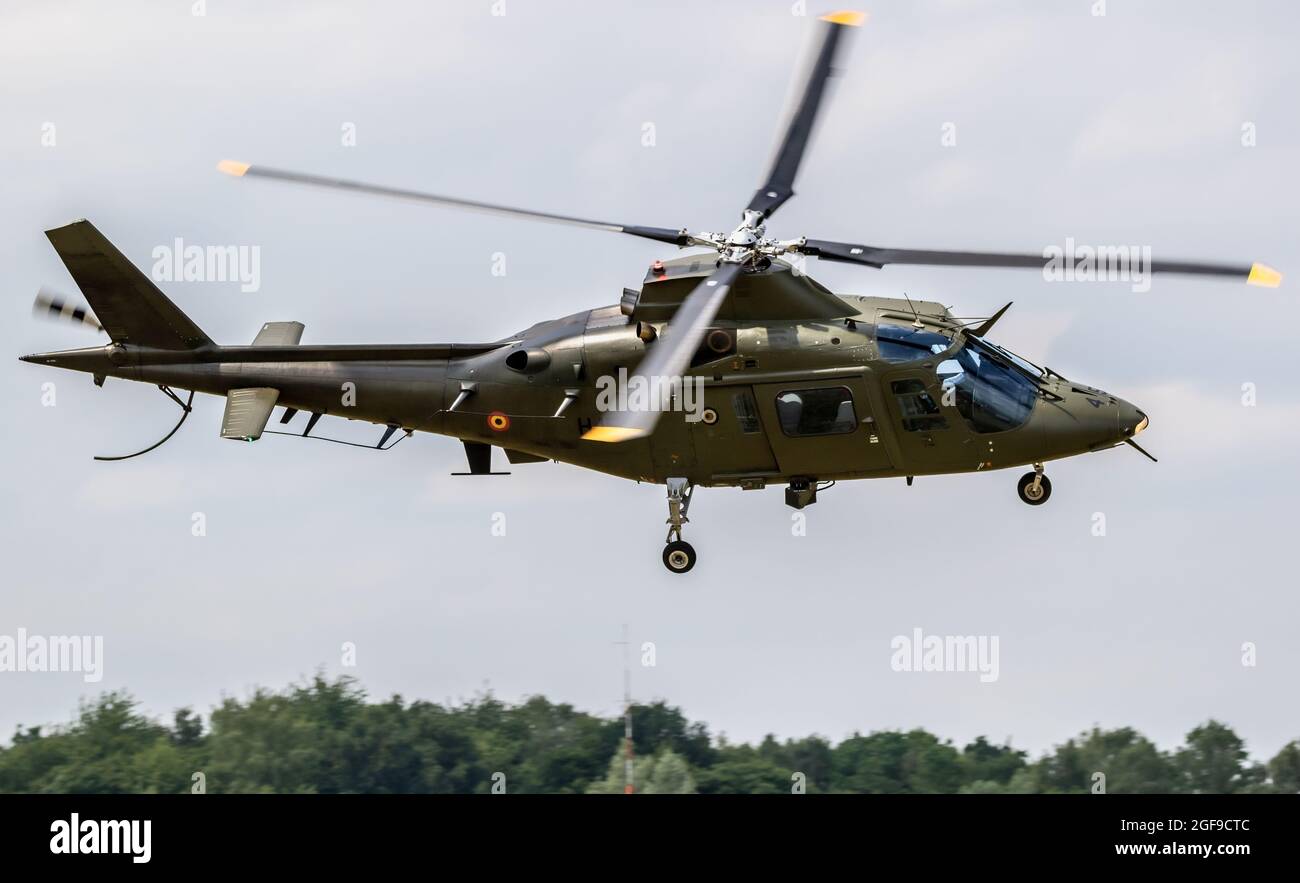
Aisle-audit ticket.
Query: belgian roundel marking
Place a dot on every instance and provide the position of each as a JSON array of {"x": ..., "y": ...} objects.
[{"x": 498, "y": 422}]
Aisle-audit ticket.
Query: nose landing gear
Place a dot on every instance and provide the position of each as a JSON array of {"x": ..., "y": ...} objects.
[
  {"x": 679, "y": 555},
  {"x": 1034, "y": 487}
]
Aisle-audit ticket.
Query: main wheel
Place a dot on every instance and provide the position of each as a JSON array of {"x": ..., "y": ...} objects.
[
  {"x": 1027, "y": 492},
  {"x": 679, "y": 556}
]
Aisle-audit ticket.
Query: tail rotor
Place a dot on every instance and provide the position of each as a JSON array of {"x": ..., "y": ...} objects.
[{"x": 51, "y": 305}]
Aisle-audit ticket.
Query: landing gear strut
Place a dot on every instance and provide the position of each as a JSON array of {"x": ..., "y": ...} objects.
[
  {"x": 1034, "y": 487},
  {"x": 679, "y": 555}
]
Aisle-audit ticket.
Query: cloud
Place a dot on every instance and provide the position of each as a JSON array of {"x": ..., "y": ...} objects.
[
  {"x": 1201, "y": 424},
  {"x": 1066, "y": 126},
  {"x": 124, "y": 491},
  {"x": 1176, "y": 115}
]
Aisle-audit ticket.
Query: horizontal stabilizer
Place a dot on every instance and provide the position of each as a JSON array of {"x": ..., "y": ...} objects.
[
  {"x": 279, "y": 334},
  {"x": 247, "y": 411}
]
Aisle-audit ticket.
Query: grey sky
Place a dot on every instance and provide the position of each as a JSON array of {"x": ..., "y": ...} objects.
[{"x": 1122, "y": 129}]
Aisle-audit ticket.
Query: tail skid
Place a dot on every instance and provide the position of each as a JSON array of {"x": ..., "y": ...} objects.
[{"x": 186, "y": 408}]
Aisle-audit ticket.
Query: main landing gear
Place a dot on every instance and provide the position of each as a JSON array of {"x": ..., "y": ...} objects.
[
  {"x": 679, "y": 555},
  {"x": 1034, "y": 487}
]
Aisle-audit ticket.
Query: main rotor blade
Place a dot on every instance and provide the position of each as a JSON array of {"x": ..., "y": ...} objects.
[
  {"x": 779, "y": 185},
  {"x": 664, "y": 366},
  {"x": 240, "y": 170},
  {"x": 1254, "y": 274}
]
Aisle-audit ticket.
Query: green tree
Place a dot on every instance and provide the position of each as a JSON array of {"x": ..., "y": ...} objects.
[
  {"x": 616, "y": 775},
  {"x": 187, "y": 728},
  {"x": 329, "y": 737},
  {"x": 659, "y": 725},
  {"x": 671, "y": 775},
  {"x": 1284, "y": 769},
  {"x": 1131, "y": 763},
  {"x": 896, "y": 763},
  {"x": 982, "y": 761},
  {"x": 740, "y": 770},
  {"x": 811, "y": 756},
  {"x": 1023, "y": 781},
  {"x": 1213, "y": 760},
  {"x": 111, "y": 748}
]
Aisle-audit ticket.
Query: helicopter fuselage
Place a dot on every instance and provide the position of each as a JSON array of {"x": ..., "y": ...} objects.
[{"x": 777, "y": 401}]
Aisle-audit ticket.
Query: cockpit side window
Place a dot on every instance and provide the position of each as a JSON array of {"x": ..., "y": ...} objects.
[
  {"x": 899, "y": 344},
  {"x": 919, "y": 410}
]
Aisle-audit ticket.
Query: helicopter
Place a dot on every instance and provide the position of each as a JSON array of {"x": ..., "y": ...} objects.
[{"x": 728, "y": 367}]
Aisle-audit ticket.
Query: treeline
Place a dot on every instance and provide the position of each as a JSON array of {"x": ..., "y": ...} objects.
[{"x": 324, "y": 736}]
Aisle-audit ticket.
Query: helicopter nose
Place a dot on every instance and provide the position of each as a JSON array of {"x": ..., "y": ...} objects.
[{"x": 1131, "y": 419}]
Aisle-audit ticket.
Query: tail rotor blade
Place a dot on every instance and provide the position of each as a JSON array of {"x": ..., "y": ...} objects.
[{"x": 54, "y": 306}]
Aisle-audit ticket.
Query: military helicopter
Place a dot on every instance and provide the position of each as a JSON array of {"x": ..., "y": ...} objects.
[{"x": 727, "y": 367}]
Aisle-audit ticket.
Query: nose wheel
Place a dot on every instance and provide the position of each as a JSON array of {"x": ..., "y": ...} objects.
[
  {"x": 1034, "y": 487},
  {"x": 679, "y": 555}
]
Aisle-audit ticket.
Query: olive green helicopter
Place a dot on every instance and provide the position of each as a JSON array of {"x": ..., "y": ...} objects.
[{"x": 727, "y": 367}]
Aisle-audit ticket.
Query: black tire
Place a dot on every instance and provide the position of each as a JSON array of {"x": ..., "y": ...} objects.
[
  {"x": 1024, "y": 489},
  {"x": 679, "y": 556}
]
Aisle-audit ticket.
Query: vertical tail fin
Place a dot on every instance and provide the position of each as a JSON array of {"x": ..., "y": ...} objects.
[{"x": 131, "y": 308}]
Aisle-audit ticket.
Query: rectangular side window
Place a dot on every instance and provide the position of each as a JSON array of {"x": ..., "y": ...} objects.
[{"x": 825, "y": 411}]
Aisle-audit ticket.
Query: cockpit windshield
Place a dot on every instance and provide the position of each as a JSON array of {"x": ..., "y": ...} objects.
[
  {"x": 1019, "y": 361},
  {"x": 986, "y": 390},
  {"x": 992, "y": 388}
]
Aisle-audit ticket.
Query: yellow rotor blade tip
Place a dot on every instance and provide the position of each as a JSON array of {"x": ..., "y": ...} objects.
[
  {"x": 848, "y": 17},
  {"x": 230, "y": 167},
  {"x": 1264, "y": 275},
  {"x": 611, "y": 434}
]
